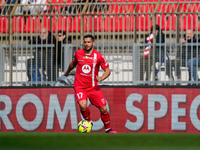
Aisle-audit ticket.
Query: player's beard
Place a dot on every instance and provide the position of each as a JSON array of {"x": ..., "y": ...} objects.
[{"x": 88, "y": 50}]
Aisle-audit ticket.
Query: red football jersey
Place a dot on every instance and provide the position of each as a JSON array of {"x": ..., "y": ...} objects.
[{"x": 88, "y": 67}]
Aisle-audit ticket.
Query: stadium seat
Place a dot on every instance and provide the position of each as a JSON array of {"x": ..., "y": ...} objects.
[
  {"x": 18, "y": 24},
  {"x": 116, "y": 7},
  {"x": 32, "y": 24},
  {"x": 47, "y": 23},
  {"x": 129, "y": 8},
  {"x": 35, "y": 23},
  {"x": 188, "y": 22},
  {"x": 111, "y": 23},
  {"x": 166, "y": 22},
  {"x": 167, "y": 7},
  {"x": 171, "y": 22},
  {"x": 76, "y": 24},
  {"x": 4, "y": 24},
  {"x": 98, "y": 23},
  {"x": 145, "y": 8},
  {"x": 64, "y": 23},
  {"x": 190, "y": 7},
  {"x": 125, "y": 23},
  {"x": 90, "y": 23},
  {"x": 129, "y": 23},
  {"x": 143, "y": 22}
]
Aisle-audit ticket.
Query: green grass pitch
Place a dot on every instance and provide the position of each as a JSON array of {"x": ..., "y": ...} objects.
[{"x": 98, "y": 141}]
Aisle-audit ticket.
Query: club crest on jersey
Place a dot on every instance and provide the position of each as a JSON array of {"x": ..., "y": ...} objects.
[
  {"x": 86, "y": 57},
  {"x": 86, "y": 68}
]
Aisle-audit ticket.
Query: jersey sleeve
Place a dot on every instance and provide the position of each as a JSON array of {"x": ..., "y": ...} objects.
[{"x": 103, "y": 62}]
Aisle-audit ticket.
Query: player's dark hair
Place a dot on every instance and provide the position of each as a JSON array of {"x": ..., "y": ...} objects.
[{"x": 89, "y": 36}]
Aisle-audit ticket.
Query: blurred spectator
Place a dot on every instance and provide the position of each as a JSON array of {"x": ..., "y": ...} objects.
[
  {"x": 184, "y": 57},
  {"x": 79, "y": 5},
  {"x": 33, "y": 6},
  {"x": 189, "y": 52},
  {"x": 0, "y": 6},
  {"x": 74, "y": 8},
  {"x": 8, "y": 8},
  {"x": 43, "y": 57},
  {"x": 57, "y": 4},
  {"x": 61, "y": 39},
  {"x": 147, "y": 60}
]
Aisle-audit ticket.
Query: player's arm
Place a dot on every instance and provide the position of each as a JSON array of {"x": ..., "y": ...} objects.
[
  {"x": 70, "y": 67},
  {"x": 104, "y": 76}
]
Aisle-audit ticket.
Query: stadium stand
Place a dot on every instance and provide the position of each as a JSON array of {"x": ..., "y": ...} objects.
[
  {"x": 113, "y": 22},
  {"x": 144, "y": 19}
]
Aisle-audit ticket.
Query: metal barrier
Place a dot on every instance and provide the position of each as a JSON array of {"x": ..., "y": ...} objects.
[{"x": 120, "y": 29}]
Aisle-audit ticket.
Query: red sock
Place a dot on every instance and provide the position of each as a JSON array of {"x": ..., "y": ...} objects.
[
  {"x": 86, "y": 114},
  {"x": 105, "y": 117}
]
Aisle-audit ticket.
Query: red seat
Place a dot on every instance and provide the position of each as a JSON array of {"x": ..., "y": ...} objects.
[
  {"x": 190, "y": 7},
  {"x": 183, "y": 7},
  {"x": 143, "y": 22},
  {"x": 76, "y": 26},
  {"x": 64, "y": 23},
  {"x": 18, "y": 24},
  {"x": 113, "y": 8},
  {"x": 161, "y": 20},
  {"x": 47, "y": 24},
  {"x": 4, "y": 24},
  {"x": 98, "y": 23},
  {"x": 111, "y": 23},
  {"x": 117, "y": 6},
  {"x": 188, "y": 22},
  {"x": 92, "y": 22},
  {"x": 129, "y": 8},
  {"x": 87, "y": 24},
  {"x": 167, "y": 7},
  {"x": 171, "y": 22},
  {"x": 33, "y": 25},
  {"x": 129, "y": 23},
  {"x": 126, "y": 23}
]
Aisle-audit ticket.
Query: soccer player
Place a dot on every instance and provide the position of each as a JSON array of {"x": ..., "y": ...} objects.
[{"x": 88, "y": 61}]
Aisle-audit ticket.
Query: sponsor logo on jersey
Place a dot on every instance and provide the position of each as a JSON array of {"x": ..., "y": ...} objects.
[
  {"x": 86, "y": 57},
  {"x": 86, "y": 68}
]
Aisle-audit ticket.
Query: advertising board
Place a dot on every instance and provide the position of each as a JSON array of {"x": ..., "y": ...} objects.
[{"x": 145, "y": 110}]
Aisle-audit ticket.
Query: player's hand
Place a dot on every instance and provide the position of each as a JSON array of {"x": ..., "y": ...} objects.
[
  {"x": 66, "y": 74},
  {"x": 98, "y": 78}
]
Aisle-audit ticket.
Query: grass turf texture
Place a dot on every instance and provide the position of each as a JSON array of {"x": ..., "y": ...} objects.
[{"x": 98, "y": 141}]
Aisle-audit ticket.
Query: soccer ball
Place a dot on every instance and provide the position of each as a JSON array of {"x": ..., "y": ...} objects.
[{"x": 84, "y": 126}]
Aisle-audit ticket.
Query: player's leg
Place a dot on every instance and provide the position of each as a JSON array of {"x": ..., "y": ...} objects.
[
  {"x": 97, "y": 99},
  {"x": 85, "y": 111},
  {"x": 105, "y": 117},
  {"x": 81, "y": 98}
]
